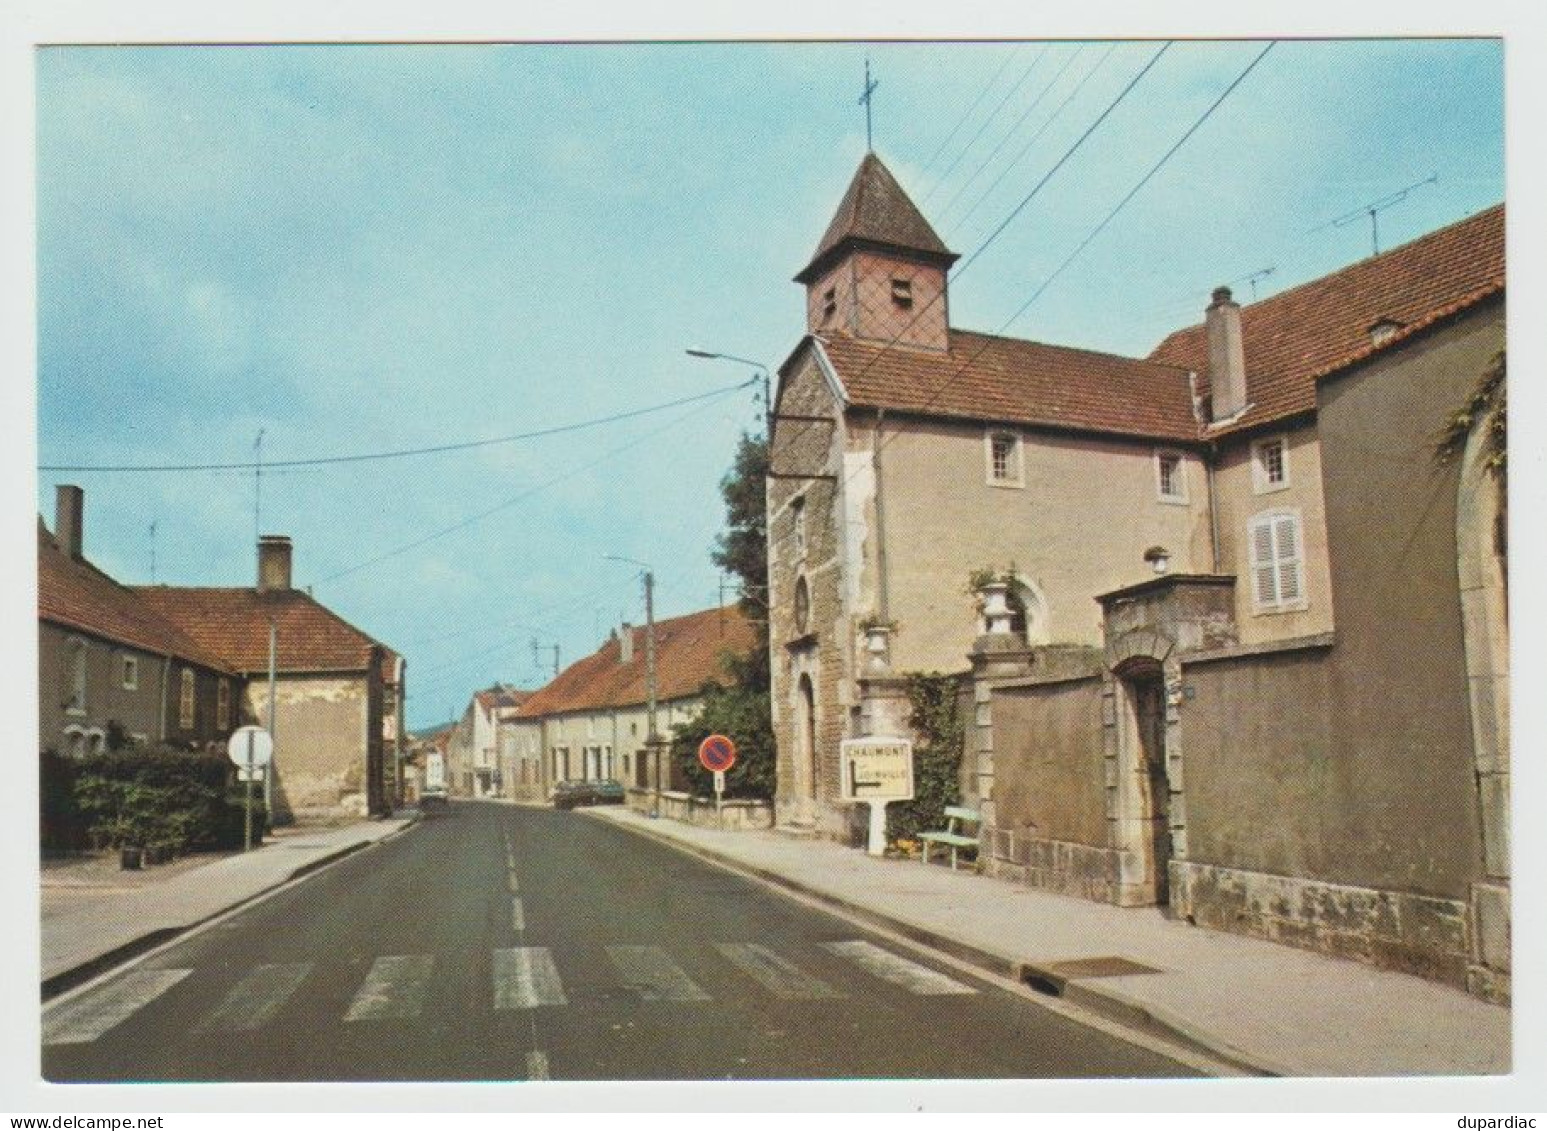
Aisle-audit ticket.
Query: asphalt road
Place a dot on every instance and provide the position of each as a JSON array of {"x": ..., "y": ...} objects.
[{"x": 501, "y": 943}]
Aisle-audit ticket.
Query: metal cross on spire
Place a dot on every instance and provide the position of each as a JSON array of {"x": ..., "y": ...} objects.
[{"x": 865, "y": 100}]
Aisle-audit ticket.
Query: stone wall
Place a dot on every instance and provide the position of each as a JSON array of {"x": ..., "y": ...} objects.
[
  {"x": 677, "y": 805},
  {"x": 319, "y": 743}
]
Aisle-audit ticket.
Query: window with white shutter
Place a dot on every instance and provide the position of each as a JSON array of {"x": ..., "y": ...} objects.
[{"x": 1277, "y": 561}]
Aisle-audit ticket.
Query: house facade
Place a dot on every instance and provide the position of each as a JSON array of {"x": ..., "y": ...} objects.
[
  {"x": 338, "y": 693},
  {"x": 1195, "y": 683},
  {"x": 474, "y": 756},
  {"x": 592, "y": 722},
  {"x": 110, "y": 667}
]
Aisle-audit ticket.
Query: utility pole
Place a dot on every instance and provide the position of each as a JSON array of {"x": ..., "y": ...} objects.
[
  {"x": 257, "y": 487},
  {"x": 653, "y": 740},
  {"x": 268, "y": 771},
  {"x": 153, "y": 551}
]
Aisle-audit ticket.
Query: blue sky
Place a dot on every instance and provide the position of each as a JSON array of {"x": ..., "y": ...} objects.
[{"x": 358, "y": 248}]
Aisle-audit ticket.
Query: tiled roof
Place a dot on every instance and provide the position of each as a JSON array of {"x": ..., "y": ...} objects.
[
  {"x": 501, "y": 696},
  {"x": 75, "y": 594},
  {"x": 983, "y": 377},
  {"x": 875, "y": 210},
  {"x": 235, "y": 623},
  {"x": 688, "y": 651},
  {"x": 1320, "y": 327}
]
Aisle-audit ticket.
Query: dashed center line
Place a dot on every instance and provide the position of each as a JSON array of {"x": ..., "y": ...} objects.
[
  {"x": 537, "y": 1065},
  {"x": 525, "y": 977},
  {"x": 517, "y": 915}
]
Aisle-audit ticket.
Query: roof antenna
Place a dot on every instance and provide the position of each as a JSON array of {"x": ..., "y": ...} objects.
[
  {"x": 865, "y": 100},
  {"x": 1373, "y": 210}
]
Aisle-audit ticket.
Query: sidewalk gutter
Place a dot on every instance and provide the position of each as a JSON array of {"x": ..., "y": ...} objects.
[
  {"x": 1111, "y": 1005},
  {"x": 65, "y": 980}
]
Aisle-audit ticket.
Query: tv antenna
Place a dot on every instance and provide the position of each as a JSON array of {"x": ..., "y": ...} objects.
[{"x": 1374, "y": 208}]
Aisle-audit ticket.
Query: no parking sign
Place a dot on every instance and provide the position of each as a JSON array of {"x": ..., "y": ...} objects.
[{"x": 717, "y": 753}]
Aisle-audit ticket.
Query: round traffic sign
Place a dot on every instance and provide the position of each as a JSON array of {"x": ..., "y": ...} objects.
[
  {"x": 717, "y": 753},
  {"x": 250, "y": 746}
]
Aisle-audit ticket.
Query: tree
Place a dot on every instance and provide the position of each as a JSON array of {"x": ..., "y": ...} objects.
[{"x": 740, "y": 706}]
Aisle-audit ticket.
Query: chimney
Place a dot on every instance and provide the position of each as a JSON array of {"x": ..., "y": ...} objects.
[
  {"x": 273, "y": 563},
  {"x": 626, "y": 644},
  {"x": 1227, "y": 355},
  {"x": 69, "y": 519}
]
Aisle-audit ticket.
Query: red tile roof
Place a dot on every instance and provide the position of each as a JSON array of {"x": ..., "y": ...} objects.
[
  {"x": 75, "y": 594},
  {"x": 875, "y": 210},
  {"x": 235, "y": 623},
  {"x": 501, "y": 696},
  {"x": 1294, "y": 338},
  {"x": 688, "y": 652},
  {"x": 983, "y": 377}
]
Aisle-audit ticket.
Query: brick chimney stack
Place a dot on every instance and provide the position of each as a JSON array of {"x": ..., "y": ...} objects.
[
  {"x": 626, "y": 644},
  {"x": 273, "y": 563},
  {"x": 69, "y": 519},
  {"x": 1227, "y": 355}
]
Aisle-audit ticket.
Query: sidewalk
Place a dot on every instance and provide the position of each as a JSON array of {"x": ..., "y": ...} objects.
[
  {"x": 1281, "y": 1010},
  {"x": 94, "y": 917}
]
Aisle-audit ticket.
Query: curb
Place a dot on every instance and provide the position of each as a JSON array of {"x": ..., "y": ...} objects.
[
  {"x": 1111, "y": 1005},
  {"x": 83, "y": 972}
]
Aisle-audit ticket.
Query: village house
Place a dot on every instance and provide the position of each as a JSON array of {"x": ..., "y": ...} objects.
[
  {"x": 1239, "y": 548},
  {"x": 474, "y": 765},
  {"x": 338, "y": 692},
  {"x": 111, "y": 668},
  {"x": 591, "y": 722}
]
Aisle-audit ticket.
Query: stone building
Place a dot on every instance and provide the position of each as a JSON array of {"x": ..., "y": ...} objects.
[
  {"x": 474, "y": 763},
  {"x": 110, "y": 664},
  {"x": 338, "y": 692},
  {"x": 1235, "y": 556},
  {"x": 591, "y": 721}
]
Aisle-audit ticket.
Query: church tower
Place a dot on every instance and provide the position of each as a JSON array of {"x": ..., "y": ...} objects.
[{"x": 879, "y": 272}]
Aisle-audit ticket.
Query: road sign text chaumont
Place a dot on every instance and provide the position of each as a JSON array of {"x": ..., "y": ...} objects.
[
  {"x": 876, "y": 769},
  {"x": 717, "y": 753}
]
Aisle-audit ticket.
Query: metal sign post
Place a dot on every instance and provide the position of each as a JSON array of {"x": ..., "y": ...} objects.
[
  {"x": 252, "y": 750},
  {"x": 875, "y": 771},
  {"x": 717, "y": 753},
  {"x": 719, "y": 796}
]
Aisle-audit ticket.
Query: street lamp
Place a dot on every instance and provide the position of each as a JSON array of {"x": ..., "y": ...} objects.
[
  {"x": 652, "y": 740},
  {"x": 694, "y": 351}
]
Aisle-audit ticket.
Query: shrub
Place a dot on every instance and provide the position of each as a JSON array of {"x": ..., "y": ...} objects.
[
  {"x": 161, "y": 797},
  {"x": 937, "y": 756},
  {"x": 741, "y": 713}
]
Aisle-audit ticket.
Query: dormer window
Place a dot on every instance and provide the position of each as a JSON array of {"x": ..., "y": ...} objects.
[
  {"x": 829, "y": 304},
  {"x": 902, "y": 293},
  {"x": 1383, "y": 330}
]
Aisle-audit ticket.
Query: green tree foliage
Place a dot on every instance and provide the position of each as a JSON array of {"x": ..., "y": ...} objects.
[
  {"x": 937, "y": 724},
  {"x": 739, "y": 708}
]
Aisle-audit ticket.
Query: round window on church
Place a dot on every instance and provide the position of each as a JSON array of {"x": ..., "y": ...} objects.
[{"x": 802, "y": 607}]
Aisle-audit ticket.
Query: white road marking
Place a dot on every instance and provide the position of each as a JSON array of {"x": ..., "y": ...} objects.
[
  {"x": 647, "y": 970},
  {"x": 256, "y": 998},
  {"x": 779, "y": 977},
  {"x": 394, "y": 988},
  {"x": 910, "y": 976},
  {"x": 525, "y": 977},
  {"x": 510, "y": 858},
  {"x": 87, "y": 1018},
  {"x": 512, "y": 883},
  {"x": 536, "y": 1065},
  {"x": 517, "y": 915}
]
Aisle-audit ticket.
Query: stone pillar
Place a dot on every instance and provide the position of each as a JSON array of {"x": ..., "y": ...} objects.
[{"x": 996, "y": 657}]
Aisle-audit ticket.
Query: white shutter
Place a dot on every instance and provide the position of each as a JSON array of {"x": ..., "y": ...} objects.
[
  {"x": 1264, "y": 571},
  {"x": 1286, "y": 533}
]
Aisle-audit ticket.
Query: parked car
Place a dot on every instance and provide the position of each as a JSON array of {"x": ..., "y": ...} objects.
[
  {"x": 569, "y": 794},
  {"x": 433, "y": 797}
]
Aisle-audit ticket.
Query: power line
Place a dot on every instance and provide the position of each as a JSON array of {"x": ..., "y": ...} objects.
[
  {"x": 259, "y": 466},
  {"x": 524, "y": 495},
  {"x": 960, "y": 122},
  {"x": 986, "y": 123}
]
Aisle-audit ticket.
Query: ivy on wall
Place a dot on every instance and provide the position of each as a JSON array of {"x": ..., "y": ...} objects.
[{"x": 939, "y": 740}]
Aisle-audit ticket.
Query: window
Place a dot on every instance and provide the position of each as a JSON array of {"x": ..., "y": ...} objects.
[
  {"x": 1270, "y": 465},
  {"x": 129, "y": 671},
  {"x": 902, "y": 293},
  {"x": 1170, "y": 477},
  {"x": 1004, "y": 459},
  {"x": 798, "y": 507},
  {"x": 185, "y": 702},
  {"x": 75, "y": 677},
  {"x": 802, "y": 607},
  {"x": 223, "y": 705},
  {"x": 1278, "y": 562},
  {"x": 829, "y": 304}
]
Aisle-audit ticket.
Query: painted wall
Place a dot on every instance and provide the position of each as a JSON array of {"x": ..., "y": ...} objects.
[{"x": 319, "y": 742}]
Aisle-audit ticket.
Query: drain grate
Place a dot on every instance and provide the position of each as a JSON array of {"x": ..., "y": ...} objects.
[{"x": 1111, "y": 967}]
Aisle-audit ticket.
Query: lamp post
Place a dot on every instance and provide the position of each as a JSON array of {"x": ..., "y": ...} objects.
[
  {"x": 694, "y": 351},
  {"x": 652, "y": 740}
]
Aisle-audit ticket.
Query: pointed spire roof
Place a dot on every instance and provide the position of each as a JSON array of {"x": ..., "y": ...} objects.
[{"x": 877, "y": 212}]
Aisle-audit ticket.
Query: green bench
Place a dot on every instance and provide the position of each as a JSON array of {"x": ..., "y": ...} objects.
[{"x": 956, "y": 816}]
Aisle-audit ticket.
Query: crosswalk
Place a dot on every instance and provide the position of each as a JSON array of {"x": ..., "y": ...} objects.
[{"x": 397, "y": 987}]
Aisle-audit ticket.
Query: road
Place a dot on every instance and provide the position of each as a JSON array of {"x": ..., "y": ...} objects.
[{"x": 500, "y": 943}]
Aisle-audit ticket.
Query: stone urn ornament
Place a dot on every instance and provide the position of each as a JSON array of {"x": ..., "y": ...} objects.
[
  {"x": 995, "y": 596},
  {"x": 878, "y": 642}
]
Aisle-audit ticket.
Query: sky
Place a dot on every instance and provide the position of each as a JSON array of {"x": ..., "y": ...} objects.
[{"x": 365, "y": 248}]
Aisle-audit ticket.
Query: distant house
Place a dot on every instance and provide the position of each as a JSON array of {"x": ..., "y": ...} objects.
[
  {"x": 473, "y": 756},
  {"x": 339, "y": 692},
  {"x": 110, "y": 666},
  {"x": 592, "y": 720}
]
